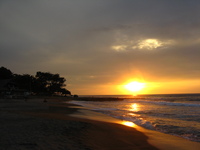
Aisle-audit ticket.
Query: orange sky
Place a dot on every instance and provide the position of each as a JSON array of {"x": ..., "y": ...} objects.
[
  {"x": 99, "y": 46},
  {"x": 165, "y": 87}
]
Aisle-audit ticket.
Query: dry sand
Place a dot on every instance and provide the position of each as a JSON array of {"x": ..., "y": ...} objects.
[{"x": 60, "y": 126}]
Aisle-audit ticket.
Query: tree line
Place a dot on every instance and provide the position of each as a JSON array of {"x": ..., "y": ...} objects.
[{"x": 43, "y": 83}]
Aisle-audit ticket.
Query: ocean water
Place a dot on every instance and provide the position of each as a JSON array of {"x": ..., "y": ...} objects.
[{"x": 177, "y": 114}]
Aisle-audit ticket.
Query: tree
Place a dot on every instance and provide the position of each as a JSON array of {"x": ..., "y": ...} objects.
[
  {"x": 41, "y": 83},
  {"x": 49, "y": 83},
  {"x": 5, "y": 73},
  {"x": 24, "y": 81},
  {"x": 65, "y": 92}
]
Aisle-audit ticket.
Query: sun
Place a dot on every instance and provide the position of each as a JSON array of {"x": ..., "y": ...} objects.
[{"x": 134, "y": 86}]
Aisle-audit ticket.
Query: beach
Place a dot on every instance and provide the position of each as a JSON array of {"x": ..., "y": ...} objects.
[{"x": 57, "y": 124}]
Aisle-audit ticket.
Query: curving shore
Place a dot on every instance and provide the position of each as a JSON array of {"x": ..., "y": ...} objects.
[{"x": 58, "y": 125}]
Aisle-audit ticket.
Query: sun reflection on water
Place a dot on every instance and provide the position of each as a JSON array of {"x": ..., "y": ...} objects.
[
  {"x": 134, "y": 107},
  {"x": 128, "y": 123}
]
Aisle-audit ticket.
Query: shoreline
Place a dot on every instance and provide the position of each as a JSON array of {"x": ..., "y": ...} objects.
[
  {"x": 38, "y": 125},
  {"x": 57, "y": 124},
  {"x": 170, "y": 115},
  {"x": 157, "y": 139}
]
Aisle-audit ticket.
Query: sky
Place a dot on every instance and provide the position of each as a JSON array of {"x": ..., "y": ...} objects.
[{"x": 101, "y": 45}]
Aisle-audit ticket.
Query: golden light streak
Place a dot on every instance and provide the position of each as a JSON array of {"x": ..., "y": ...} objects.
[
  {"x": 128, "y": 123},
  {"x": 134, "y": 107}
]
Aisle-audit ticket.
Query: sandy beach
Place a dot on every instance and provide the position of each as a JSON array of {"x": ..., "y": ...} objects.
[{"x": 58, "y": 125}]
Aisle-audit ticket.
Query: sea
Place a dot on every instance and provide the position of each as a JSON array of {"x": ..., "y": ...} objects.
[{"x": 175, "y": 114}]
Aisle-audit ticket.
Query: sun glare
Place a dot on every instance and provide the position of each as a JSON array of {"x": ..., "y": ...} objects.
[
  {"x": 134, "y": 107},
  {"x": 135, "y": 86},
  {"x": 128, "y": 123}
]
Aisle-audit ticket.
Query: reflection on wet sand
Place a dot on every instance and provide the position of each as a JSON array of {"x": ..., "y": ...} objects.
[{"x": 128, "y": 123}]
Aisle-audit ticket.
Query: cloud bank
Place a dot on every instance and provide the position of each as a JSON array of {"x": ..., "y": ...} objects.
[{"x": 97, "y": 42}]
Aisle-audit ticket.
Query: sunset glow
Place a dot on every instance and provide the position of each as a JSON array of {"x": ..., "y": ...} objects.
[
  {"x": 132, "y": 51},
  {"x": 150, "y": 44},
  {"x": 134, "y": 86},
  {"x": 134, "y": 107},
  {"x": 128, "y": 123}
]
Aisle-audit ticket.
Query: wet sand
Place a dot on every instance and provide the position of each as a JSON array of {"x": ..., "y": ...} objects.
[
  {"x": 159, "y": 140},
  {"x": 57, "y": 125}
]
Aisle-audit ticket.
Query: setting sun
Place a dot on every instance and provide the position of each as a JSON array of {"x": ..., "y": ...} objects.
[{"x": 134, "y": 86}]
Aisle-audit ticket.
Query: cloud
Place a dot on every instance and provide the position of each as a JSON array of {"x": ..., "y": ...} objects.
[
  {"x": 149, "y": 44},
  {"x": 145, "y": 44},
  {"x": 99, "y": 41},
  {"x": 119, "y": 47}
]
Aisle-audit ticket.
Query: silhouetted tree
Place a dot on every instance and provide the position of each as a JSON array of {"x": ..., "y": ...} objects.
[
  {"x": 41, "y": 83},
  {"x": 5, "y": 73},
  {"x": 65, "y": 92},
  {"x": 25, "y": 81},
  {"x": 49, "y": 83}
]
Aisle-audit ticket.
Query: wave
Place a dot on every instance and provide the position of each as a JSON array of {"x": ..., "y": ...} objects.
[
  {"x": 105, "y": 109},
  {"x": 170, "y": 103},
  {"x": 136, "y": 120},
  {"x": 148, "y": 116}
]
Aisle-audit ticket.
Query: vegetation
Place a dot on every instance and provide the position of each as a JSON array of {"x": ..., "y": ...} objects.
[
  {"x": 43, "y": 83},
  {"x": 5, "y": 73}
]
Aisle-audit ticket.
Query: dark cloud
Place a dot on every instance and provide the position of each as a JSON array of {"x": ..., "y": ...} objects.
[{"x": 75, "y": 38}]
